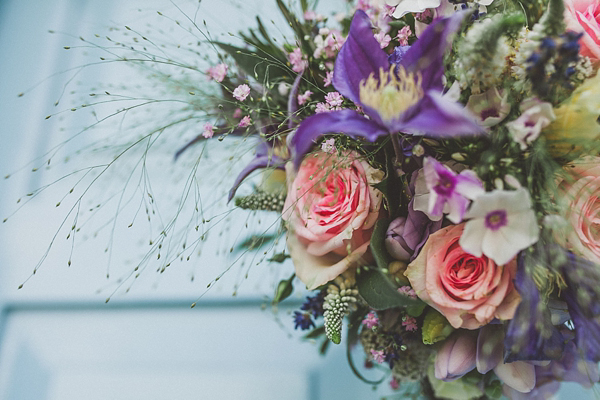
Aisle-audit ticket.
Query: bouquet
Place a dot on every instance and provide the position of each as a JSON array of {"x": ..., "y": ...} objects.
[{"x": 433, "y": 168}]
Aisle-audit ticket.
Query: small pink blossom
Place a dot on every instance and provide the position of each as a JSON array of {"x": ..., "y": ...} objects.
[
  {"x": 407, "y": 291},
  {"x": 378, "y": 356},
  {"x": 297, "y": 60},
  {"x": 303, "y": 98},
  {"x": 334, "y": 99},
  {"x": 409, "y": 323},
  {"x": 322, "y": 107},
  {"x": 383, "y": 38},
  {"x": 328, "y": 78},
  {"x": 245, "y": 122},
  {"x": 241, "y": 92},
  {"x": 208, "y": 130},
  {"x": 237, "y": 114},
  {"x": 328, "y": 146},
  {"x": 217, "y": 72},
  {"x": 403, "y": 35},
  {"x": 371, "y": 320},
  {"x": 310, "y": 15},
  {"x": 394, "y": 384}
]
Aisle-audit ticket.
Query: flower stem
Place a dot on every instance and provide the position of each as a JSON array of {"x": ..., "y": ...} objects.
[{"x": 397, "y": 149}]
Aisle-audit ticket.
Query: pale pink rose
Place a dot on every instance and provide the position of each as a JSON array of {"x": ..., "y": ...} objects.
[
  {"x": 469, "y": 291},
  {"x": 584, "y": 16},
  {"x": 331, "y": 207},
  {"x": 582, "y": 197}
]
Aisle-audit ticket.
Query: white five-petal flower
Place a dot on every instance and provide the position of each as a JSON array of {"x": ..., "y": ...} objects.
[{"x": 501, "y": 224}]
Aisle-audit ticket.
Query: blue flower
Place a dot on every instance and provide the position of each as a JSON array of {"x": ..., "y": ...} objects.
[{"x": 303, "y": 320}]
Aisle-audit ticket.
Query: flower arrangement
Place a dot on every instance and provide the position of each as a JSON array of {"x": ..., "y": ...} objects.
[{"x": 436, "y": 170}]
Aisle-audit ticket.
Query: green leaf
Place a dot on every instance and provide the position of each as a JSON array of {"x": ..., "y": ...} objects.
[
  {"x": 315, "y": 333},
  {"x": 435, "y": 327},
  {"x": 381, "y": 293},
  {"x": 284, "y": 289},
  {"x": 377, "y": 245},
  {"x": 257, "y": 64}
]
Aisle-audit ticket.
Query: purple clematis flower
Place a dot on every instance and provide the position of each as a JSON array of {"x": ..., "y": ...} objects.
[
  {"x": 264, "y": 158},
  {"x": 398, "y": 97}
]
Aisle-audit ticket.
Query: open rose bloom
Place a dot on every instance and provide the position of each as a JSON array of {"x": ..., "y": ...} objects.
[
  {"x": 469, "y": 291},
  {"x": 584, "y": 16},
  {"x": 331, "y": 207}
]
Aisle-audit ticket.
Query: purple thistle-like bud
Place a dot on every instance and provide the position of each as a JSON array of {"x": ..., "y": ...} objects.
[{"x": 530, "y": 334}]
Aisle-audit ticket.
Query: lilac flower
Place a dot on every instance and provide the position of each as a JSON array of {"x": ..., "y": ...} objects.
[
  {"x": 218, "y": 72},
  {"x": 334, "y": 99},
  {"x": 246, "y": 121},
  {"x": 404, "y": 97},
  {"x": 303, "y": 98},
  {"x": 502, "y": 224},
  {"x": 208, "y": 130},
  {"x": 407, "y": 291},
  {"x": 378, "y": 356},
  {"x": 241, "y": 92},
  {"x": 403, "y": 35},
  {"x": 384, "y": 39},
  {"x": 322, "y": 108},
  {"x": 371, "y": 320},
  {"x": 328, "y": 78},
  {"x": 448, "y": 192},
  {"x": 297, "y": 60},
  {"x": 409, "y": 323}
]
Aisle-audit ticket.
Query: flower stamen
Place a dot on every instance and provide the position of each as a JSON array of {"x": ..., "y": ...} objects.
[{"x": 393, "y": 93}]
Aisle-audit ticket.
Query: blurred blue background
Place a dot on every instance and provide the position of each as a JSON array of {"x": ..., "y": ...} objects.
[{"x": 58, "y": 338}]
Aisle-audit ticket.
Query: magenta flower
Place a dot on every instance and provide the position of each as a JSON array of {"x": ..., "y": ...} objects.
[
  {"x": 303, "y": 98},
  {"x": 448, "y": 192},
  {"x": 241, "y": 92},
  {"x": 297, "y": 60},
  {"x": 378, "y": 356}
]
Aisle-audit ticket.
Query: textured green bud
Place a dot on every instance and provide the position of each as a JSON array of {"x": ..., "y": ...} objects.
[{"x": 435, "y": 327}]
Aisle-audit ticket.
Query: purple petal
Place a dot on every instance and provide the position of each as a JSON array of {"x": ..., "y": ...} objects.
[
  {"x": 456, "y": 357},
  {"x": 530, "y": 334},
  {"x": 519, "y": 375},
  {"x": 348, "y": 122},
  {"x": 398, "y": 54},
  {"x": 293, "y": 102},
  {"x": 490, "y": 345},
  {"x": 426, "y": 55},
  {"x": 439, "y": 117},
  {"x": 261, "y": 161},
  {"x": 583, "y": 299},
  {"x": 359, "y": 57}
]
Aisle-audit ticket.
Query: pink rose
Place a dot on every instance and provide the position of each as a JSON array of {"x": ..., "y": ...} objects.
[
  {"x": 469, "y": 291},
  {"x": 582, "y": 197},
  {"x": 584, "y": 16},
  {"x": 331, "y": 207}
]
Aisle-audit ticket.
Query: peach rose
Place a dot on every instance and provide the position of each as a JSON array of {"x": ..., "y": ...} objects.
[
  {"x": 584, "y": 16},
  {"x": 469, "y": 291},
  {"x": 582, "y": 201},
  {"x": 331, "y": 207}
]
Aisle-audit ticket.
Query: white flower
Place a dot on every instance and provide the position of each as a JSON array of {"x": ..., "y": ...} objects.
[
  {"x": 536, "y": 115},
  {"x": 501, "y": 224},
  {"x": 241, "y": 92},
  {"x": 404, "y": 7}
]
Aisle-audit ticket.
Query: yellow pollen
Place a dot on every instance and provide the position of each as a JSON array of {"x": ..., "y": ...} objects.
[{"x": 391, "y": 94}]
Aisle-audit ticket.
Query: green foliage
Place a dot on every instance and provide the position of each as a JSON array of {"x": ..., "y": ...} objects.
[
  {"x": 284, "y": 289},
  {"x": 380, "y": 293},
  {"x": 263, "y": 66},
  {"x": 377, "y": 245},
  {"x": 435, "y": 327}
]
